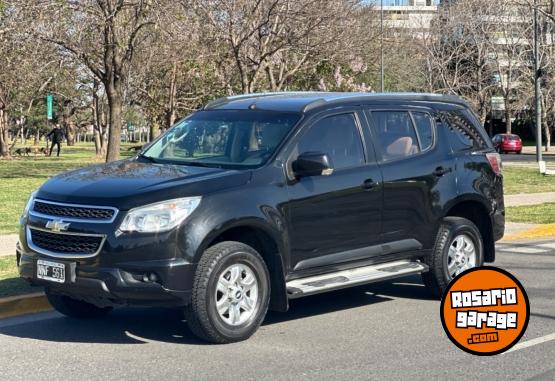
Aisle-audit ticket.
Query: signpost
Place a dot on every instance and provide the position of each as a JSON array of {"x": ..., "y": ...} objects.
[{"x": 49, "y": 107}]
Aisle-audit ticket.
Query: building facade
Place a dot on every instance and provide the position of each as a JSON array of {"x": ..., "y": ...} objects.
[{"x": 413, "y": 15}]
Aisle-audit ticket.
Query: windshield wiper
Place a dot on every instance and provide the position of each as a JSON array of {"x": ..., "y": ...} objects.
[
  {"x": 196, "y": 164},
  {"x": 149, "y": 158}
]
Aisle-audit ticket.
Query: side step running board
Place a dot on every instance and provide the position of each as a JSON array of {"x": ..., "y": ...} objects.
[{"x": 361, "y": 275}]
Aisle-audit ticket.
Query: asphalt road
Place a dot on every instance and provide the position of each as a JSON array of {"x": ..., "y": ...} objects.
[{"x": 388, "y": 330}]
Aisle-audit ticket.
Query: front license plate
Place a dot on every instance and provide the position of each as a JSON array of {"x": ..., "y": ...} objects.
[{"x": 51, "y": 271}]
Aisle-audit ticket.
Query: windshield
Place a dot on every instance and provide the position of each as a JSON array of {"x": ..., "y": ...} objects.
[{"x": 223, "y": 138}]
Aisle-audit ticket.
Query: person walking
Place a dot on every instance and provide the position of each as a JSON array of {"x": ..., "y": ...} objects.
[{"x": 57, "y": 137}]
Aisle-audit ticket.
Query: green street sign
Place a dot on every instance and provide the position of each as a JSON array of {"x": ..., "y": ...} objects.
[{"x": 49, "y": 107}]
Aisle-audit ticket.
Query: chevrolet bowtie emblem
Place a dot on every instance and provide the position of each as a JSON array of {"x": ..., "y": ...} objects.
[{"x": 57, "y": 225}]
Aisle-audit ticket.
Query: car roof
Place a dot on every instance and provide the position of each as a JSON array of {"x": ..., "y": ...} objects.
[{"x": 308, "y": 100}]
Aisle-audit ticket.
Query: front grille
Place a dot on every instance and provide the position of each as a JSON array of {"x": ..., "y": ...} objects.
[
  {"x": 65, "y": 243},
  {"x": 75, "y": 212}
]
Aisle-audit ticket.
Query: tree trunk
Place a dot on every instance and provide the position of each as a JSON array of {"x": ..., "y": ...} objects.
[
  {"x": 547, "y": 133},
  {"x": 154, "y": 130},
  {"x": 4, "y": 147},
  {"x": 508, "y": 122},
  {"x": 37, "y": 138},
  {"x": 171, "y": 115},
  {"x": 70, "y": 134},
  {"x": 115, "y": 103}
]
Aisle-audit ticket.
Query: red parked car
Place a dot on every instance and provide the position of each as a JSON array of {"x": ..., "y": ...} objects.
[{"x": 505, "y": 143}]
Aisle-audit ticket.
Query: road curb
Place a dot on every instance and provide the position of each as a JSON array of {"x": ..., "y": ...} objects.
[
  {"x": 23, "y": 304},
  {"x": 540, "y": 231}
]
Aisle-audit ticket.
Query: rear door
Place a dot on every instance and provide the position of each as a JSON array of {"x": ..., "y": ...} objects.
[
  {"x": 418, "y": 175},
  {"x": 335, "y": 219}
]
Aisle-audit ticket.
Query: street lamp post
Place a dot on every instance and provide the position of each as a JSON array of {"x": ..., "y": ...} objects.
[{"x": 537, "y": 90}]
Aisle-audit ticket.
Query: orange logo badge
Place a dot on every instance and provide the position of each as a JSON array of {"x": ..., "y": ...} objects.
[{"x": 485, "y": 311}]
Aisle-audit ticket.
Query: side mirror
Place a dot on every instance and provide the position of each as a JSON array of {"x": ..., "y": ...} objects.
[{"x": 312, "y": 164}]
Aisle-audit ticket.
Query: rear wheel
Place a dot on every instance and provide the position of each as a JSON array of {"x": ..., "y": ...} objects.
[
  {"x": 230, "y": 295},
  {"x": 519, "y": 152},
  {"x": 458, "y": 248},
  {"x": 75, "y": 308}
]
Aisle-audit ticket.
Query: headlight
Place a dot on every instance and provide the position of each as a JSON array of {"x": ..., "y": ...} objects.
[
  {"x": 159, "y": 217},
  {"x": 29, "y": 204}
]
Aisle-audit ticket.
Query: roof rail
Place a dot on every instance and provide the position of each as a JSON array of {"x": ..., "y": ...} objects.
[
  {"x": 422, "y": 97},
  {"x": 223, "y": 100}
]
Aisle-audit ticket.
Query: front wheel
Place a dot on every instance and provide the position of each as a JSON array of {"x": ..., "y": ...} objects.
[
  {"x": 231, "y": 292},
  {"x": 74, "y": 308},
  {"x": 458, "y": 248}
]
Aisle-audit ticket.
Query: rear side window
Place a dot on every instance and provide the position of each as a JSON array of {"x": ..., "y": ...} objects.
[
  {"x": 397, "y": 134},
  {"x": 337, "y": 136},
  {"x": 424, "y": 127},
  {"x": 463, "y": 136}
]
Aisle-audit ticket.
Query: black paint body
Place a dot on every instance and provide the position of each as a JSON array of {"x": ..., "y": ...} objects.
[{"x": 377, "y": 212}]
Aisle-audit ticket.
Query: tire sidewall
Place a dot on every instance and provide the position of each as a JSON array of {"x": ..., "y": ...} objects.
[
  {"x": 469, "y": 229},
  {"x": 260, "y": 271}
]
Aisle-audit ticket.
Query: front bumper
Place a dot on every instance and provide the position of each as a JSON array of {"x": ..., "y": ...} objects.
[
  {"x": 109, "y": 286},
  {"x": 130, "y": 270}
]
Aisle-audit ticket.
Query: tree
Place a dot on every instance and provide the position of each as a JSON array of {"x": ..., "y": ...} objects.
[
  {"x": 101, "y": 35},
  {"x": 268, "y": 42},
  {"x": 511, "y": 46},
  {"x": 20, "y": 58},
  {"x": 177, "y": 73},
  {"x": 459, "y": 51},
  {"x": 546, "y": 10}
]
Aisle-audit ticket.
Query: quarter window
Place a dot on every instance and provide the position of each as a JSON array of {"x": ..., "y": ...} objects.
[
  {"x": 338, "y": 137},
  {"x": 462, "y": 134},
  {"x": 424, "y": 127}
]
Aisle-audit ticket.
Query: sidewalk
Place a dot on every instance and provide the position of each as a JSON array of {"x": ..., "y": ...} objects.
[
  {"x": 529, "y": 198},
  {"x": 532, "y": 150},
  {"x": 7, "y": 244}
]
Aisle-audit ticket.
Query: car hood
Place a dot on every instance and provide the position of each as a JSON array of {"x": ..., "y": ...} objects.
[{"x": 129, "y": 183}]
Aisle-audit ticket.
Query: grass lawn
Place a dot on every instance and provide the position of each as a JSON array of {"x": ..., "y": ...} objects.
[
  {"x": 526, "y": 180},
  {"x": 20, "y": 176},
  {"x": 534, "y": 214},
  {"x": 10, "y": 283}
]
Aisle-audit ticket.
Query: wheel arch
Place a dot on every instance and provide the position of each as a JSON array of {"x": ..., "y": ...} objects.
[
  {"x": 268, "y": 243},
  {"x": 475, "y": 211}
]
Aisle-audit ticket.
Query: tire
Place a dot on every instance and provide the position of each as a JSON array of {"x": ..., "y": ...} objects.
[
  {"x": 452, "y": 229},
  {"x": 519, "y": 152},
  {"x": 76, "y": 309},
  {"x": 224, "y": 267}
]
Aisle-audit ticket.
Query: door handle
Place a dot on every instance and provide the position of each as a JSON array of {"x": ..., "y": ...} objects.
[
  {"x": 369, "y": 184},
  {"x": 440, "y": 171}
]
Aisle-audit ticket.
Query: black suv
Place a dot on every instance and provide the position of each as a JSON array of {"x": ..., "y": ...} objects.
[{"x": 258, "y": 199}]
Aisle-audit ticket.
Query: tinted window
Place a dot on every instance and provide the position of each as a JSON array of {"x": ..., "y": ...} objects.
[
  {"x": 337, "y": 136},
  {"x": 396, "y": 134},
  {"x": 462, "y": 134},
  {"x": 423, "y": 124},
  {"x": 223, "y": 138}
]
